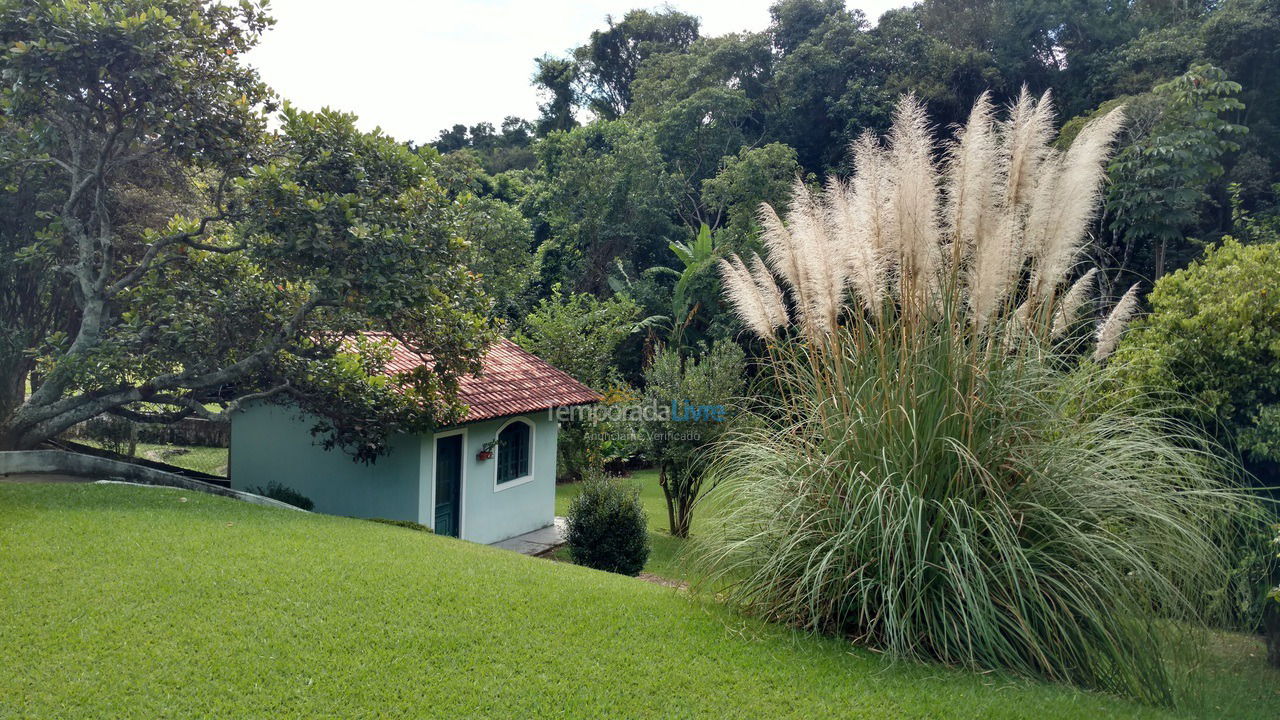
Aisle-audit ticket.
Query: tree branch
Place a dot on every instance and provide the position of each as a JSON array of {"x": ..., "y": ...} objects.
[{"x": 141, "y": 417}]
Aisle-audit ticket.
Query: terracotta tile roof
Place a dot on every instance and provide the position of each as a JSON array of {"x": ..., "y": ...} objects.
[{"x": 511, "y": 382}]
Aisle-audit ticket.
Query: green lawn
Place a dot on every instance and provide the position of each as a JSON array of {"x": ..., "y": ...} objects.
[
  {"x": 212, "y": 460},
  {"x": 142, "y": 602}
]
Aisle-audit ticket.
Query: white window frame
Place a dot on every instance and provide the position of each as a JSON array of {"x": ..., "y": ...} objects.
[
  {"x": 462, "y": 481},
  {"x": 497, "y": 450}
]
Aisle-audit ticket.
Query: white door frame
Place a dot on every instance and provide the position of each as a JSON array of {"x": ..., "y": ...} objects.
[{"x": 462, "y": 480}]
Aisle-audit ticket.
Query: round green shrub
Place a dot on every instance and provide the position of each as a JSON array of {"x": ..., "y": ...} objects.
[{"x": 608, "y": 528}]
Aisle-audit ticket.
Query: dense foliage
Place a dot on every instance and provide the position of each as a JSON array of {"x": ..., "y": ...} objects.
[
  {"x": 1173, "y": 151},
  {"x": 607, "y": 527},
  {"x": 583, "y": 336},
  {"x": 652, "y": 129},
  {"x": 260, "y": 269},
  {"x": 1213, "y": 335},
  {"x": 686, "y": 130}
]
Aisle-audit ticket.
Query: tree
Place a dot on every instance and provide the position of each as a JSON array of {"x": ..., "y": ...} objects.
[
  {"x": 262, "y": 285},
  {"x": 698, "y": 391},
  {"x": 704, "y": 104},
  {"x": 602, "y": 192},
  {"x": 1159, "y": 178},
  {"x": 746, "y": 181},
  {"x": 1243, "y": 38},
  {"x": 556, "y": 79},
  {"x": 34, "y": 303},
  {"x": 823, "y": 55},
  {"x": 610, "y": 61},
  {"x": 496, "y": 151},
  {"x": 683, "y": 300},
  {"x": 581, "y": 335},
  {"x": 499, "y": 239},
  {"x": 794, "y": 22}
]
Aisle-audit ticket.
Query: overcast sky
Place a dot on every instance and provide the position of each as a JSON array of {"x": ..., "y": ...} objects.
[{"x": 414, "y": 67}]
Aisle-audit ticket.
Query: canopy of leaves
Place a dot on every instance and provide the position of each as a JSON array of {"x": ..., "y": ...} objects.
[
  {"x": 174, "y": 257},
  {"x": 610, "y": 61},
  {"x": 579, "y": 334},
  {"x": 603, "y": 192}
]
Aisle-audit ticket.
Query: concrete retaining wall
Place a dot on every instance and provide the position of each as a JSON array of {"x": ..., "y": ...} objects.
[{"x": 57, "y": 462}]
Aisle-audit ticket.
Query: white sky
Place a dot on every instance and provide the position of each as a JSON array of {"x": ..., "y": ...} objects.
[{"x": 414, "y": 67}]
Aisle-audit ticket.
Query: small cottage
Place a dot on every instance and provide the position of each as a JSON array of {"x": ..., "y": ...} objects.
[{"x": 490, "y": 478}]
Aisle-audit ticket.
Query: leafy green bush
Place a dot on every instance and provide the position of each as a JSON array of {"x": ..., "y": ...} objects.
[
  {"x": 408, "y": 524},
  {"x": 284, "y": 494},
  {"x": 1271, "y": 618},
  {"x": 608, "y": 527},
  {"x": 1214, "y": 335}
]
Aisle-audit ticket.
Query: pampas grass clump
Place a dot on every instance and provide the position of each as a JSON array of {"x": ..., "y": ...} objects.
[{"x": 935, "y": 479}]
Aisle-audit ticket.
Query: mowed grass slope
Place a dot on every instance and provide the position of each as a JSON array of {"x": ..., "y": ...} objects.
[{"x": 138, "y": 602}]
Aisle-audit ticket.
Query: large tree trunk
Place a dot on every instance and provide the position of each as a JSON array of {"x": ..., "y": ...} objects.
[
  {"x": 13, "y": 391},
  {"x": 7, "y": 440},
  {"x": 13, "y": 388}
]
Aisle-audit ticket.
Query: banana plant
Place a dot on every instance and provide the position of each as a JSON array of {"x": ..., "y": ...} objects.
[{"x": 695, "y": 257}]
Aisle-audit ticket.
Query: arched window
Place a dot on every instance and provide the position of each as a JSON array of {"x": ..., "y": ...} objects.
[{"x": 513, "y": 452}]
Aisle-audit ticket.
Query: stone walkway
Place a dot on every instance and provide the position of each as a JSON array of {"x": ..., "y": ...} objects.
[{"x": 537, "y": 542}]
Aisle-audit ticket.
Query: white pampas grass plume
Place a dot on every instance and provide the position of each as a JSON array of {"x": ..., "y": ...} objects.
[
  {"x": 1042, "y": 206},
  {"x": 972, "y": 171},
  {"x": 1009, "y": 198},
  {"x": 1017, "y": 327},
  {"x": 997, "y": 262},
  {"x": 979, "y": 222},
  {"x": 852, "y": 224},
  {"x": 783, "y": 254},
  {"x": 745, "y": 296},
  {"x": 1069, "y": 307},
  {"x": 913, "y": 204},
  {"x": 780, "y": 249},
  {"x": 820, "y": 259},
  {"x": 770, "y": 294},
  {"x": 1075, "y": 203},
  {"x": 1113, "y": 327},
  {"x": 1027, "y": 136},
  {"x": 870, "y": 187}
]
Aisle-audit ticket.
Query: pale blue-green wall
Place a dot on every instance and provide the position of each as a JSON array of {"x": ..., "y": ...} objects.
[
  {"x": 270, "y": 443},
  {"x": 490, "y": 512},
  {"x": 274, "y": 444}
]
